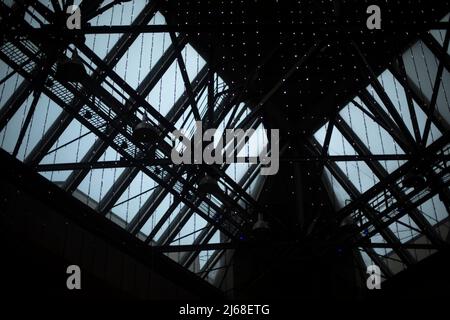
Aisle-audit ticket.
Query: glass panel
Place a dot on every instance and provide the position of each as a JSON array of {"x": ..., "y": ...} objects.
[
  {"x": 133, "y": 197},
  {"x": 143, "y": 54},
  {"x": 321, "y": 134},
  {"x": 78, "y": 139},
  {"x": 156, "y": 216},
  {"x": 403, "y": 232},
  {"x": 164, "y": 228},
  {"x": 339, "y": 145},
  {"x": 379, "y": 239},
  {"x": 439, "y": 35},
  {"x": 44, "y": 115},
  {"x": 205, "y": 255},
  {"x": 397, "y": 95},
  {"x": 9, "y": 86},
  {"x": 374, "y": 137},
  {"x": 421, "y": 67},
  {"x": 433, "y": 210},
  {"x": 98, "y": 181},
  {"x": 193, "y": 61},
  {"x": 339, "y": 197},
  {"x": 421, "y": 120},
  {"x": 187, "y": 234},
  {"x": 359, "y": 174},
  {"x": 35, "y": 18},
  {"x": 168, "y": 90}
]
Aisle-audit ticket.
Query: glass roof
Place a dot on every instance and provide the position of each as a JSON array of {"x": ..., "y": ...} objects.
[
  {"x": 360, "y": 130},
  {"x": 141, "y": 205},
  {"x": 76, "y": 127}
]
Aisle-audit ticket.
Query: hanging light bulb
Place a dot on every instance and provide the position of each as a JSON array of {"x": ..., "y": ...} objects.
[
  {"x": 209, "y": 185},
  {"x": 70, "y": 70},
  {"x": 261, "y": 225},
  {"x": 413, "y": 180},
  {"x": 261, "y": 229},
  {"x": 144, "y": 132}
]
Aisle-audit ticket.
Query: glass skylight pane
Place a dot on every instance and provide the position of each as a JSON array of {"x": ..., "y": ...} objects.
[
  {"x": 421, "y": 67},
  {"x": 187, "y": 235},
  {"x": 379, "y": 239},
  {"x": 397, "y": 95},
  {"x": 75, "y": 150},
  {"x": 339, "y": 145},
  {"x": 45, "y": 113},
  {"x": 133, "y": 197},
  {"x": 375, "y": 138},
  {"x": 321, "y": 134},
  {"x": 339, "y": 197},
  {"x": 156, "y": 216},
  {"x": 8, "y": 88},
  {"x": 151, "y": 223},
  {"x": 367, "y": 260},
  {"x": 93, "y": 186},
  {"x": 359, "y": 174},
  {"x": 143, "y": 54},
  {"x": 205, "y": 255},
  {"x": 402, "y": 232},
  {"x": 168, "y": 90},
  {"x": 98, "y": 181},
  {"x": 421, "y": 121},
  {"x": 10, "y": 132},
  {"x": 193, "y": 61},
  {"x": 434, "y": 210},
  {"x": 35, "y": 23},
  {"x": 237, "y": 170},
  {"x": 439, "y": 35},
  {"x": 101, "y": 44},
  {"x": 123, "y": 14}
]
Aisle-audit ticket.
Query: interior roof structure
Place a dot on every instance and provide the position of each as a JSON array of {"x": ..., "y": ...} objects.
[{"x": 362, "y": 113}]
